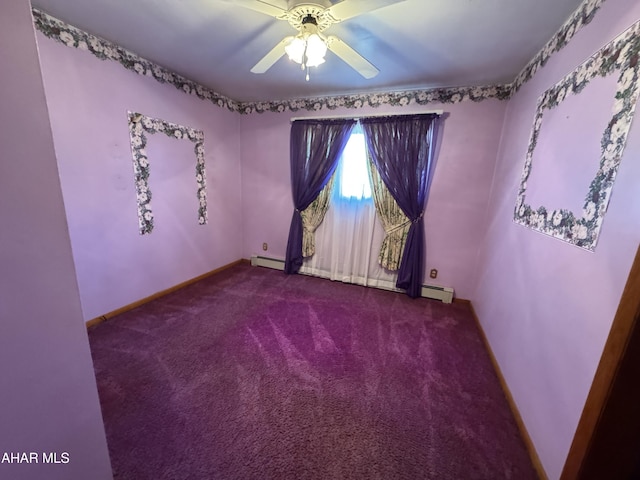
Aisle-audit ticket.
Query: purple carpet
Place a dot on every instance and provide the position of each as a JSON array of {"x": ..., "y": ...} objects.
[{"x": 253, "y": 374}]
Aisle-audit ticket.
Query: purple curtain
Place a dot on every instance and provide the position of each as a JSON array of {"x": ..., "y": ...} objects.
[
  {"x": 315, "y": 147},
  {"x": 402, "y": 149}
]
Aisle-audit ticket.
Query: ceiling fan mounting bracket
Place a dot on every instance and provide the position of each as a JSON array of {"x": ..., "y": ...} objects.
[{"x": 297, "y": 15}]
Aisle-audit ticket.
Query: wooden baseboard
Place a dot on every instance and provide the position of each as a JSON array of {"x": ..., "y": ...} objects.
[
  {"x": 533, "y": 454},
  {"x": 162, "y": 293}
]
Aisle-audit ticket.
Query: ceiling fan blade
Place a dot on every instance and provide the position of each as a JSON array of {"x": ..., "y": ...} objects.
[
  {"x": 351, "y": 8},
  {"x": 272, "y": 57},
  {"x": 263, "y": 7},
  {"x": 351, "y": 57}
]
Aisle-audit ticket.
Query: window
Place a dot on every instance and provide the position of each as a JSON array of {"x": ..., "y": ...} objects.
[
  {"x": 345, "y": 239},
  {"x": 352, "y": 179}
]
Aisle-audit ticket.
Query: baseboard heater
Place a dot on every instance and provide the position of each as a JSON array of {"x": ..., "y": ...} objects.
[{"x": 444, "y": 294}]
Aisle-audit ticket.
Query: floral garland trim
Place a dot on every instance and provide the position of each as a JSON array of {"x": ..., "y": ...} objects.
[
  {"x": 105, "y": 50},
  {"x": 623, "y": 55},
  {"x": 139, "y": 126},
  {"x": 74, "y": 37},
  {"x": 394, "y": 99},
  {"x": 582, "y": 16}
]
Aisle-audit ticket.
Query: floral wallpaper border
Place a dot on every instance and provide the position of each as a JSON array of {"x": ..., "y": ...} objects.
[
  {"x": 394, "y": 99},
  {"x": 71, "y": 36},
  {"x": 105, "y": 50},
  {"x": 623, "y": 55},
  {"x": 139, "y": 126},
  {"x": 582, "y": 16}
]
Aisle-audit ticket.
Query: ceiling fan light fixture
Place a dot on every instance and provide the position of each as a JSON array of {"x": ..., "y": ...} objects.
[
  {"x": 307, "y": 48},
  {"x": 295, "y": 49},
  {"x": 316, "y": 50}
]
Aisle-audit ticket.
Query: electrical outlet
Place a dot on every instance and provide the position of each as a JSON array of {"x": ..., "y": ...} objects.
[
  {"x": 265, "y": 247},
  {"x": 433, "y": 273}
]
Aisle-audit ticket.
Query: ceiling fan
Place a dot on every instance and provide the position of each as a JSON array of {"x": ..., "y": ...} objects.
[{"x": 311, "y": 18}]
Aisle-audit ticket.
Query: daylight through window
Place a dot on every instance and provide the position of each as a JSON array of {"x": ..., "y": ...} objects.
[{"x": 353, "y": 173}]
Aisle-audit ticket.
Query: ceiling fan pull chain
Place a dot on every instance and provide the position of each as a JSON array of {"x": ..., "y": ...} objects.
[{"x": 305, "y": 60}]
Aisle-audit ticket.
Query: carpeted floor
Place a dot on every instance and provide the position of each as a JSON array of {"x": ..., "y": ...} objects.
[{"x": 252, "y": 374}]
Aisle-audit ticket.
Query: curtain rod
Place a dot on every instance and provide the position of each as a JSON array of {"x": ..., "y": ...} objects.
[{"x": 356, "y": 117}]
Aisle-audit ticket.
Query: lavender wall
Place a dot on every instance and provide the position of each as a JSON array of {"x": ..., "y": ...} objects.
[
  {"x": 457, "y": 203},
  {"x": 48, "y": 397},
  {"x": 88, "y": 100},
  {"x": 547, "y": 306}
]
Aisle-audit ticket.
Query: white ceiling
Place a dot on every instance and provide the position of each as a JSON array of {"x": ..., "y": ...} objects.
[{"x": 415, "y": 44}]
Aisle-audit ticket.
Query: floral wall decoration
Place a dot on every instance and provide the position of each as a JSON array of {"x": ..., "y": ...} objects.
[
  {"x": 582, "y": 16},
  {"x": 393, "y": 99},
  {"x": 141, "y": 125},
  {"x": 71, "y": 36},
  {"x": 105, "y": 50},
  {"x": 621, "y": 56}
]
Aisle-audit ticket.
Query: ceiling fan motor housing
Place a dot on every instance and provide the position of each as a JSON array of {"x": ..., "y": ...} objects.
[
  {"x": 308, "y": 13},
  {"x": 291, "y": 4}
]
